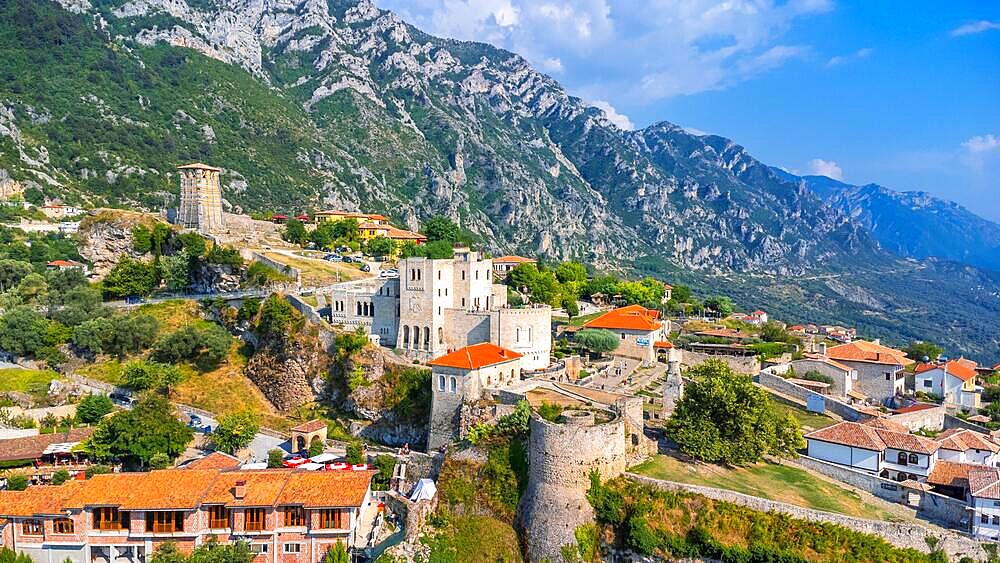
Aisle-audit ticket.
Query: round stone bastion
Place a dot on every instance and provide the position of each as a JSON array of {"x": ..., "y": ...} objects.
[{"x": 562, "y": 455}]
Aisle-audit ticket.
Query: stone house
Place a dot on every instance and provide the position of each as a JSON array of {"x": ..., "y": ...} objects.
[
  {"x": 844, "y": 377},
  {"x": 878, "y": 448},
  {"x": 881, "y": 370},
  {"x": 504, "y": 264},
  {"x": 461, "y": 377},
  {"x": 954, "y": 381},
  {"x": 287, "y": 516},
  {"x": 638, "y": 328}
]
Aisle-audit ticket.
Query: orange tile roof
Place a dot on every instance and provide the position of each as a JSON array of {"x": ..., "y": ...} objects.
[
  {"x": 960, "y": 440},
  {"x": 310, "y": 426},
  {"x": 322, "y": 489},
  {"x": 984, "y": 482},
  {"x": 215, "y": 460},
  {"x": 864, "y": 351},
  {"x": 395, "y": 233},
  {"x": 475, "y": 357},
  {"x": 915, "y": 407},
  {"x": 375, "y": 226},
  {"x": 262, "y": 488},
  {"x": 908, "y": 442},
  {"x": 31, "y": 447},
  {"x": 885, "y": 424},
  {"x": 513, "y": 259},
  {"x": 873, "y": 438},
  {"x": 828, "y": 361},
  {"x": 633, "y": 317},
  {"x": 951, "y": 473},
  {"x": 164, "y": 489},
  {"x": 47, "y": 499},
  {"x": 663, "y": 344}
]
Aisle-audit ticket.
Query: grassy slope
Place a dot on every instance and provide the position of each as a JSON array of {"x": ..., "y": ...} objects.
[
  {"x": 808, "y": 420},
  {"x": 767, "y": 480},
  {"x": 32, "y": 382},
  {"x": 316, "y": 272}
]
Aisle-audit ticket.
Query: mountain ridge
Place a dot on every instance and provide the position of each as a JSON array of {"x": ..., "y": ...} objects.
[{"x": 310, "y": 104}]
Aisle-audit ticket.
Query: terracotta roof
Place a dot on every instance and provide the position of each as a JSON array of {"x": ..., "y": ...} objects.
[
  {"x": 667, "y": 286},
  {"x": 997, "y": 367},
  {"x": 310, "y": 426},
  {"x": 885, "y": 424},
  {"x": 960, "y": 440},
  {"x": 319, "y": 489},
  {"x": 951, "y": 473},
  {"x": 633, "y": 317},
  {"x": 64, "y": 263},
  {"x": 663, "y": 344},
  {"x": 395, "y": 233},
  {"x": 370, "y": 225},
  {"x": 215, "y": 460},
  {"x": 915, "y": 407},
  {"x": 49, "y": 499},
  {"x": 199, "y": 166},
  {"x": 960, "y": 369},
  {"x": 850, "y": 434},
  {"x": 864, "y": 351},
  {"x": 513, "y": 259},
  {"x": 262, "y": 487},
  {"x": 984, "y": 482},
  {"x": 855, "y": 394},
  {"x": 164, "y": 489},
  {"x": 808, "y": 383},
  {"x": 911, "y": 484},
  {"x": 32, "y": 447},
  {"x": 873, "y": 438},
  {"x": 979, "y": 418},
  {"x": 475, "y": 357},
  {"x": 967, "y": 362}
]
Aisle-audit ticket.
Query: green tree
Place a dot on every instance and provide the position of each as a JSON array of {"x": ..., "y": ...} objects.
[
  {"x": 295, "y": 232},
  {"x": 381, "y": 246},
  {"x": 176, "y": 270},
  {"x": 130, "y": 277},
  {"x": 142, "y": 375},
  {"x": 275, "y": 457},
  {"x": 224, "y": 256},
  {"x": 17, "y": 483},
  {"x": 567, "y": 272},
  {"x": 134, "y": 436},
  {"x": 60, "y": 477},
  {"x": 12, "y": 272},
  {"x": 385, "y": 465},
  {"x": 117, "y": 335},
  {"x": 192, "y": 244},
  {"x": 278, "y": 318},
  {"x": 33, "y": 288},
  {"x": 722, "y": 306},
  {"x": 345, "y": 231},
  {"x": 316, "y": 446},
  {"x": 337, "y": 554},
  {"x": 24, "y": 331},
  {"x": 142, "y": 239},
  {"x": 160, "y": 461},
  {"x": 203, "y": 345},
  {"x": 681, "y": 294},
  {"x": 441, "y": 228},
  {"x": 598, "y": 340},
  {"x": 235, "y": 431},
  {"x": 920, "y": 350},
  {"x": 355, "y": 452},
  {"x": 76, "y": 305},
  {"x": 92, "y": 408},
  {"x": 772, "y": 331},
  {"x": 724, "y": 418},
  {"x": 572, "y": 309},
  {"x": 209, "y": 552},
  {"x": 61, "y": 281}
]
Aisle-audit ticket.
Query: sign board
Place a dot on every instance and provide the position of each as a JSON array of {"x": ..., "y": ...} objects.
[{"x": 642, "y": 341}]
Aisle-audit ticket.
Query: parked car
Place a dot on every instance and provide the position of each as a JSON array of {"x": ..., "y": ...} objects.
[
  {"x": 333, "y": 257},
  {"x": 379, "y": 258},
  {"x": 347, "y": 259},
  {"x": 120, "y": 399},
  {"x": 366, "y": 268},
  {"x": 388, "y": 274},
  {"x": 343, "y": 249},
  {"x": 134, "y": 300},
  {"x": 195, "y": 421}
]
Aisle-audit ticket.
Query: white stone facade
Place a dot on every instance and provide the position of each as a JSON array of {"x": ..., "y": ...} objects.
[{"x": 201, "y": 198}]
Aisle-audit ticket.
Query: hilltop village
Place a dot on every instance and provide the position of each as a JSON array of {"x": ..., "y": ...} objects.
[{"x": 325, "y": 385}]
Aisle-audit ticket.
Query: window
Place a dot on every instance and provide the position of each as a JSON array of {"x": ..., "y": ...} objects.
[
  {"x": 164, "y": 522},
  {"x": 928, "y": 383},
  {"x": 888, "y": 376},
  {"x": 463, "y": 275},
  {"x": 218, "y": 517},
  {"x": 110, "y": 518},
  {"x": 985, "y": 519},
  {"x": 901, "y": 458},
  {"x": 439, "y": 274},
  {"x": 624, "y": 336},
  {"x": 292, "y": 547},
  {"x": 440, "y": 383},
  {"x": 996, "y": 520},
  {"x": 31, "y": 527},
  {"x": 332, "y": 518},
  {"x": 463, "y": 302},
  {"x": 254, "y": 519},
  {"x": 295, "y": 516},
  {"x": 258, "y": 548},
  {"x": 62, "y": 526},
  {"x": 454, "y": 385},
  {"x": 914, "y": 459},
  {"x": 477, "y": 274}
]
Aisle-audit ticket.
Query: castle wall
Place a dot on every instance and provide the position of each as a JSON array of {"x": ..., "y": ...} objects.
[
  {"x": 452, "y": 387},
  {"x": 464, "y": 328},
  {"x": 527, "y": 331},
  {"x": 561, "y": 458}
]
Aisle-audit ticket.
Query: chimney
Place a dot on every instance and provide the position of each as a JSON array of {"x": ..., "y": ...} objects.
[
  {"x": 240, "y": 490},
  {"x": 822, "y": 348}
]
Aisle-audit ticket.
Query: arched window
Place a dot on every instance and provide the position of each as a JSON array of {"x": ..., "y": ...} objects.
[
  {"x": 489, "y": 380},
  {"x": 427, "y": 337},
  {"x": 440, "y": 335},
  {"x": 416, "y": 336},
  {"x": 359, "y": 308},
  {"x": 901, "y": 458},
  {"x": 517, "y": 335},
  {"x": 454, "y": 385},
  {"x": 406, "y": 344},
  {"x": 440, "y": 383},
  {"x": 913, "y": 459}
]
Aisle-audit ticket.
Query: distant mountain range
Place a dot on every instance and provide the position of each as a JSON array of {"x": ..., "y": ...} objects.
[
  {"x": 311, "y": 104},
  {"x": 913, "y": 224}
]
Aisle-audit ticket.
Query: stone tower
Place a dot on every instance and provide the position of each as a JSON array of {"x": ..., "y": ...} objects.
[
  {"x": 673, "y": 385},
  {"x": 201, "y": 198}
]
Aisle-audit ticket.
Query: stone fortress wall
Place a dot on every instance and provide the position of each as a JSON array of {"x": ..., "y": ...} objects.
[{"x": 562, "y": 455}]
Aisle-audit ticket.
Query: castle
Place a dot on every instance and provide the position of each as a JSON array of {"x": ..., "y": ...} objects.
[
  {"x": 201, "y": 198},
  {"x": 440, "y": 305}
]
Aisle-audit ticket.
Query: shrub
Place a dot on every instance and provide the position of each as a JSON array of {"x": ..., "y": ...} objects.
[
  {"x": 385, "y": 464},
  {"x": 203, "y": 345},
  {"x": 130, "y": 277},
  {"x": 597, "y": 340},
  {"x": 60, "y": 477},
  {"x": 17, "y": 482},
  {"x": 549, "y": 411},
  {"x": 236, "y": 431},
  {"x": 275, "y": 457},
  {"x": 97, "y": 469},
  {"x": 142, "y": 375},
  {"x": 224, "y": 256},
  {"x": 355, "y": 452},
  {"x": 159, "y": 460},
  {"x": 316, "y": 446}
]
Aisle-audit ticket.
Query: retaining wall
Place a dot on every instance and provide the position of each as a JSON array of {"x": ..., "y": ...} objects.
[
  {"x": 285, "y": 269},
  {"x": 932, "y": 419},
  {"x": 900, "y": 534},
  {"x": 742, "y": 364},
  {"x": 785, "y": 387},
  {"x": 955, "y": 422}
]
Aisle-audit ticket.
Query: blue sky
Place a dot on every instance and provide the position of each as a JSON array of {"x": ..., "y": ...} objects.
[{"x": 904, "y": 94}]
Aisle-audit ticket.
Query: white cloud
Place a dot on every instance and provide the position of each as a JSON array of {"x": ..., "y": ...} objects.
[
  {"x": 631, "y": 51},
  {"x": 619, "y": 119},
  {"x": 828, "y": 168},
  {"x": 841, "y": 59},
  {"x": 975, "y": 27},
  {"x": 982, "y": 144}
]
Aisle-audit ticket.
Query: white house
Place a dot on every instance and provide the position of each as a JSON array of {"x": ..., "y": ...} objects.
[
  {"x": 965, "y": 446},
  {"x": 955, "y": 381},
  {"x": 984, "y": 493},
  {"x": 877, "y": 447}
]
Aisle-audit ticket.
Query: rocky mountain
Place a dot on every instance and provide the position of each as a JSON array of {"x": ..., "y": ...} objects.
[
  {"x": 915, "y": 224},
  {"x": 335, "y": 103}
]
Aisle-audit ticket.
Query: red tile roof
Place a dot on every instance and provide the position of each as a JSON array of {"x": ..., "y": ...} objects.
[
  {"x": 39, "y": 500},
  {"x": 873, "y": 438},
  {"x": 885, "y": 424},
  {"x": 951, "y": 473},
  {"x": 475, "y": 357},
  {"x": 663, "y": 344},
  {"x": 316, "y": 489},
  {"x": 215, "y": 460},
  {"x": 864, "y": 351},
  {"x": 633, "y": 317},
  {"x": 31, "y": 447},
  {"x": 513, "y": 259},
  {"x": 960, "y": 368},
  {"x": 915, "y": 407},
  {"x": 395, "y": 233},
  {"x": 310, "y": 426},
  {"x": 261, "y": 488},
  {"x": 166, "y": 489},
  {"x": 984, "y": 482},
  {"x": 199, "y": 166},
  {"x": 960, "y": 440}
]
